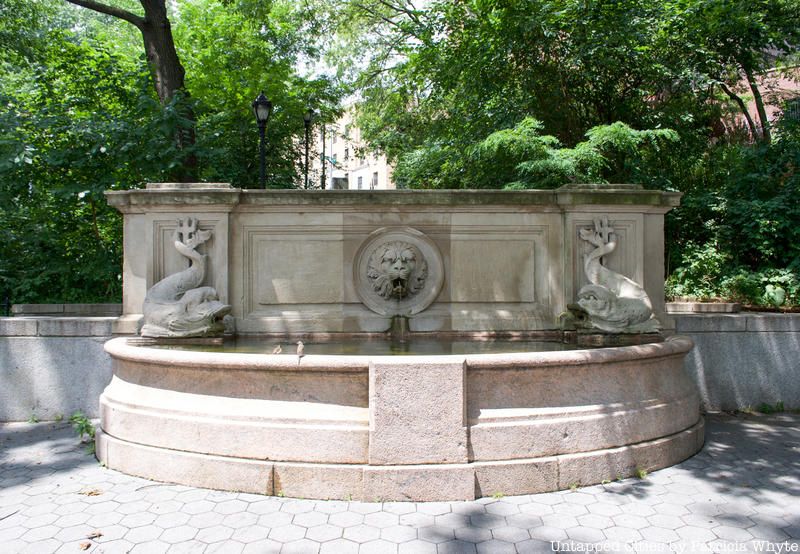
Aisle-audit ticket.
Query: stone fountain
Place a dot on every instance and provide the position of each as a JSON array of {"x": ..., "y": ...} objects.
[{"x": 302, "y": 264}]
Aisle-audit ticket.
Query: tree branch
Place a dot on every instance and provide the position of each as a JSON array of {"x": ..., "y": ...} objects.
[
  {"x": 742, "y": 106},
  {"x": 132, "y": 18}
]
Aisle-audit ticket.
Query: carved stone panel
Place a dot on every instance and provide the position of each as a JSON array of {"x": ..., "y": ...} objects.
[{"x": 398, "y": 271}]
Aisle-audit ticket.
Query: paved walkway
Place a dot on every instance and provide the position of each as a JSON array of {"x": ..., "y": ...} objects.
[{"x": 740, "y": 494}]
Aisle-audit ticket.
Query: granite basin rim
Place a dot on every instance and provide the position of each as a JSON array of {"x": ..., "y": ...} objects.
[{"x": 120, "y": 348}]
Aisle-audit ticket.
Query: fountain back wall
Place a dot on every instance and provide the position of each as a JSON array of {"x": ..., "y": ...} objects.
[{"x": 306, "y": 261}]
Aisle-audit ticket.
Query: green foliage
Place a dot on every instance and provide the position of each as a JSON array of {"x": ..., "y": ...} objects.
[
  {"x": 80, "y": 117},
  {"x": 744, "y": 212},
  {"x": 82, "y": 426},
  {"x": 765, "y": 408}
]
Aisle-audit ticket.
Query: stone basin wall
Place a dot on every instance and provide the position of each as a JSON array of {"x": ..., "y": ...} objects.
[{"x": 291, "y": 260}]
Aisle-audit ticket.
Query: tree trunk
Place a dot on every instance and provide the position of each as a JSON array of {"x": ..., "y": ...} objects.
[
  {"x": 762, "y": 113},
  {"x": 165, "y": 67},
  {"x": 743, "y": 107}
]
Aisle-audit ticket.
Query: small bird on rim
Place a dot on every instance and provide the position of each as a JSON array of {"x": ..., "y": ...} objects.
[
  {"x": 301, "y": 349},
  {"x": 277, "y": 349}
]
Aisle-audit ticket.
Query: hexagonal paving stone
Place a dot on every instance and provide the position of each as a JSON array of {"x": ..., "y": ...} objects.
[
  {"x": 151, "y": 547},
  {"x": 631, "y": 521},
  {"x": 659, "y": 534},
  {"x": 264, "y": 506},
  {"x": 339, "y": 546},
  {"x": 331, "y": 506},
  {"x": 198, "y": 507},
  {"x": 399, "y": 508},
  {"x": 143, "y": 534},
  {"x": 325, "y": 532},
  {"x": 263, "y": 547},
  {"x": 287, "y": 533},
  {"x": 254, "y": 533},
  {"x": 473, "y": 534},
  {"x": 417, "y": 519},
  {"x": 435, "y": 508},
  {"x": 586, "y": 535},
  {"x": 277, "y": 519},
  {"x": 224, "y": 547},
  {"x": 454, "y": 521},
  {"x": 228, "y": 507},
  {"x": 533, "y": 546},
  {"x": 573, "y": 510},
  {"x": 524, "y": 521},
  {"x": 240, "y": 519},
  {"x": 665, "y": 521},
  {"x": 310, "y": 519},
  {"x": 436, "y": 534},
  {"x": 399, "y": 534},
  {"x": 297, "y": 506},
  {"x": 179, "y": 534},
  {"x": 510, "y": 534},
  {"x": 546, "y": 533},
  {"x": 560, "y": 521},
  {"x": 487, "y": 521},
  {"x": 729, "y": 533},
  {"x": 364, "y": 507},
  {"x": 536, "y": 509},
  {"x": 417, "y": 547},
  {"x": 495, "y": 546},
  {"x": 302, "y": 546},
  {"x": 595, "y": 521},
  {"x": 381, "y": 519},
  {"x": 378, "y": 547},
  {"x": 205, "y": 519},
  {"x": 214, "y": 534},
  {"x": 361, "y": 533},
  {"x": 695, "y": 534},
  {"x": 346, "y": 519},
  {"x": 622, "y": 535}
]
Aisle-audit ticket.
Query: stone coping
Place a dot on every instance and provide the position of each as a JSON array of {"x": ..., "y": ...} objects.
[
  {"x": 215, "y": 193},
  {"x": 753, "y": 322},
  {"x": 121, "y": 348},
  {"x": 49, "y": 326},
  {"x": 67, "y": 310}
]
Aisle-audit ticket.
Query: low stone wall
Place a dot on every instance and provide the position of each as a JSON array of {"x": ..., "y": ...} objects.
[
  {"x": 51, "y": 367},
  {"x": 743, "y": 360}
]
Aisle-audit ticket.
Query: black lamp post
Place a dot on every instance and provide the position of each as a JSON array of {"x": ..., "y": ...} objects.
[
  {"x": 262, "y": 108},
  {"x": 307, "y": 117}
]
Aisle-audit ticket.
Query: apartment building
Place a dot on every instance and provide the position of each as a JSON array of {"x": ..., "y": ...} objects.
[{"x": 349, "y": 163}]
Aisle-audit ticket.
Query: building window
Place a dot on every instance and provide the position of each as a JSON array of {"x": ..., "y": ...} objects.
[
  {"x": 346, "y": 154},
  {"x": 360, "y": 182},
  {"x": 792, "y": 110},
  {"x": 374, "y": 183}
]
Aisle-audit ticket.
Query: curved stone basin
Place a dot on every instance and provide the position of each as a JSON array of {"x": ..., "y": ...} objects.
[{"x": 450, "y": 427}]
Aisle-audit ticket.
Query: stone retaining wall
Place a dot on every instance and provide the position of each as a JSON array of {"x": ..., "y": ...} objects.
[
  {"x": 56, "y": 366},
  {"x": 744, "y": 360},
  {"x": 51, "y": 367}
]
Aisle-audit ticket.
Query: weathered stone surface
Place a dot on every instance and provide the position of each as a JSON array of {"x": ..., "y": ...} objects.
[
  {"x": 744, "y": 360},
  {"x": 516, "y": 477},
  {"x": 48, "y": 377},
  {"x": 422, "y": 482},
  {"x": 213, "y": 472},
  {"x": 284, "y": 259},
  {"x": 75, "y": 327},
  {"x": 417, "y": 411},
  {"x": 702, "y": 307},
  {"x": 177, "y": 305},
  {"x": 16, "y": 327},
  {"x": 343, "y": 482}
]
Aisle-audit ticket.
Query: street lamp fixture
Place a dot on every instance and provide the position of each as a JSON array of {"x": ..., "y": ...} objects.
[
  {"x": 307, "y": 117},
  {"x": 262, "y": 108}
]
